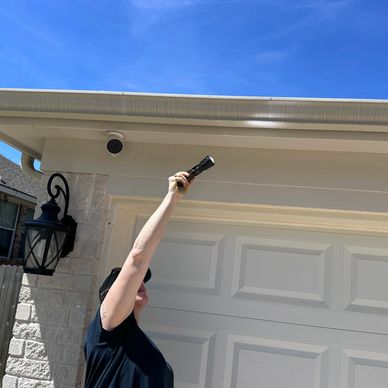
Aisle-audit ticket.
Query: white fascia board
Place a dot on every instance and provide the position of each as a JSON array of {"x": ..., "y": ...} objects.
[
  {"x": 192, "y": 107},
  {"x": 233, "y": 121}
]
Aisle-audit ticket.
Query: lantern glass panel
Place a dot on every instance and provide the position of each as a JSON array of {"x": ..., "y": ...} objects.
[
  {"x": 55, "y": 249},
  {"x": 43, "y": 247}
]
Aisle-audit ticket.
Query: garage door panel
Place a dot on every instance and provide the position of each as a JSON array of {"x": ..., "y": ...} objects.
[
  {"x": 188, "y": 261},
  {"x": 364, "y": 369},
  {"x": 361, "y": 265},
  {"x": 254, "y": 362},
  {"x": 191, "y": 352},
  {"x": 285, "y": 271}
]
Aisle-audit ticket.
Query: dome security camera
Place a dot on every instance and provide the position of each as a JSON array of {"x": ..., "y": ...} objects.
[{"x": 115, "y": 142}]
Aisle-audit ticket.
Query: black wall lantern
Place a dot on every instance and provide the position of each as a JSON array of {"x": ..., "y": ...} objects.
[{"x": 47, "y": 238}]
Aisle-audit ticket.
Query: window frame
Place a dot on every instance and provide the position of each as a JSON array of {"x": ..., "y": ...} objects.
[{"x": 13, "y": 231}]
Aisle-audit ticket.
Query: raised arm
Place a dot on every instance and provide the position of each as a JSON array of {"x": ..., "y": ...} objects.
[{"x": 120, "y": 300}]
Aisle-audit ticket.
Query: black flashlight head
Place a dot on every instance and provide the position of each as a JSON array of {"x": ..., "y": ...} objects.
[{"x": 203, "y": 165}]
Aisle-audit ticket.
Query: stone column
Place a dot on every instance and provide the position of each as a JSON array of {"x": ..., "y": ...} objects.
[{"x": 46, "y": 350}]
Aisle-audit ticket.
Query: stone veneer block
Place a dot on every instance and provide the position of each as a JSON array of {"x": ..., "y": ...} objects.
[
  {"x": 23, "y": 312},
  {"x": 29, "y": 383},
  {"x": 16, "y": 347},
  {"x": 10, "y": 382}
]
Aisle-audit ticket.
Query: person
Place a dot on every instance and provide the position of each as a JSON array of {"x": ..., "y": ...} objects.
[{"x": 117, "y": 352}]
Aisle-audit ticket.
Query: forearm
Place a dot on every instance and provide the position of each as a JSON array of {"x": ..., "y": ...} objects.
[{"x": 152, "y": 232}]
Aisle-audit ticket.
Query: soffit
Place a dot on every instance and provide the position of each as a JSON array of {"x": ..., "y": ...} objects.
[{"x": 28, "y": 117}]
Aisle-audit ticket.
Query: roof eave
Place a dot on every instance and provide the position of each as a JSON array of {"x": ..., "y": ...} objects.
[{"x": 148, "y": 114}]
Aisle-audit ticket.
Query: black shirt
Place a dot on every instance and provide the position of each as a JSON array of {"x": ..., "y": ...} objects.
[{"x": 124, "y": 357}]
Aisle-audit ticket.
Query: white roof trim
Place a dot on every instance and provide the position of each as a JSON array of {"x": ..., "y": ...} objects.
[
  {"x": 195, "y": 107},
  {"x": 29, "y": 117}
]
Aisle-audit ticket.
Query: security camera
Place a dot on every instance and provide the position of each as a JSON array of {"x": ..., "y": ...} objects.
[{"x": 115, "y": 142}]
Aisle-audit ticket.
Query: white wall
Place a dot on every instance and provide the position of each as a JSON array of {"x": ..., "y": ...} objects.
[{"x": 334, "y": 180}]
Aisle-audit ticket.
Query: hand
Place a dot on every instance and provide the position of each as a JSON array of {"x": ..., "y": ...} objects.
[{"x": 180, "y": 177}]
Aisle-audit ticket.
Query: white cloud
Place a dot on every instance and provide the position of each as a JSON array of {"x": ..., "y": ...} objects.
[
  {"x": 271, "y": 56},
  {"x": 325, "y": 9},
  {"x": 148, "y": 13},
  {"x": 162, "y": 4},
  {"x": 30, "y": 26},
  {"x": 322, "y": 7},
  {"x": 318, "y": 11}
]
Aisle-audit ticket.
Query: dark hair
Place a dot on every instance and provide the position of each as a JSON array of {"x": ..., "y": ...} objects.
[{"x": 109, "y": 280}]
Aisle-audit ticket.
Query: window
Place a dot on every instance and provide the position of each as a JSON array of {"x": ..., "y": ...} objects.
[
  {"x": 8, "y": 217},
  {"x": 19, "y": 248}
]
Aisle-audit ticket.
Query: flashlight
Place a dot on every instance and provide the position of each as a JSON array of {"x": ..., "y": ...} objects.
[{"x": 203, "y": 165}]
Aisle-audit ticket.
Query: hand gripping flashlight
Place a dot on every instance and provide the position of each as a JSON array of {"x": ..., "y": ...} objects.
[{"x": 203, "y": 165}]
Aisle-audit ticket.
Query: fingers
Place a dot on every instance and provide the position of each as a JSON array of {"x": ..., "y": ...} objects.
[
  {"x": 181, "y": 177},
  {"x": 179, "y": 181}
]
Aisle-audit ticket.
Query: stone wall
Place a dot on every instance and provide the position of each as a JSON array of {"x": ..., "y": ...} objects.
[{"x": 46, "y": 350}]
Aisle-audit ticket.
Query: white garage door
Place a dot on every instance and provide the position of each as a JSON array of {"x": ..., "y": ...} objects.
[{"x": 235, "y": 303}]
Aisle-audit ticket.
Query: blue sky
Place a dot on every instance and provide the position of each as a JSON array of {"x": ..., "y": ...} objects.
[{"x": 288, "y": 48}]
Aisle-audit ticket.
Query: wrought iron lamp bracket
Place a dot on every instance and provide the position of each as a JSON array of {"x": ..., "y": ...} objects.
[
  {"x": 59, "y": 190},
  {"x": 66, "y": 219}
]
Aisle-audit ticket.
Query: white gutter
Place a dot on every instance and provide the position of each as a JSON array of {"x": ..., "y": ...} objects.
[
  {"x": 27, "y": 165},
  {"x": 126, "y": 106}
]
